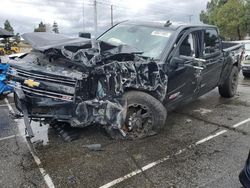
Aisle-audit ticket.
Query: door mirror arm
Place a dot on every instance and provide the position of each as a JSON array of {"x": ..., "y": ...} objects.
[
  {"x": 177, "y": 62},
  {"x": 182, "y": 61}
]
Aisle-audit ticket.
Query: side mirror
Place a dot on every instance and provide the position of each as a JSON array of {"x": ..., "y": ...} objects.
[
  {"x": 177, "y": 62},
  {"x": 85, "y": 35},
  {"x": 182, "y": 61}
]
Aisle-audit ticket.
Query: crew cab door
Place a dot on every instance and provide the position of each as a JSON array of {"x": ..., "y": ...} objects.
[
  {"x": 184, "y": 74},
  {"x": 213, "y": 60}
]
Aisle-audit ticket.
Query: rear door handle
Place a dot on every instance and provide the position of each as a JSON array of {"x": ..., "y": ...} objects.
[{"x": 199, "y": 68}]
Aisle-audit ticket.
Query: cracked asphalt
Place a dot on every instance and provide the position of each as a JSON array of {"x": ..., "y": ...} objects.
[{"x": 214, "y": 163}]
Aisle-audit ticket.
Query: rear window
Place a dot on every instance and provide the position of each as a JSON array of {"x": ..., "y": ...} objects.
[{"x": 212, "y": 42}]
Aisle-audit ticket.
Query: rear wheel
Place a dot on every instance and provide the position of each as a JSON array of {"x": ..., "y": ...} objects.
[
  {"x": 145, "y": 115},
  {"x": 247, "y": 75},
  {"x": 229, "y": 88}
]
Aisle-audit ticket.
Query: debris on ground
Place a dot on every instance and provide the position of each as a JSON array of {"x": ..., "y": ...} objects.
[
  {"x": 16, "y": 115},
  {"x": 137, "y": 156},
  {"x": 203, "y": 111},
  {"x": 94, "y": 147},
  {"x": 37, "y": 144},
  {"x": 72, "y": 179},
  {"x": 67, "y": 133},
  {"x": 188, "y": 121}
]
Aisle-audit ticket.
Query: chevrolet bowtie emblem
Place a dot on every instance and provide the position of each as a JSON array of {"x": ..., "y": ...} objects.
[{"x": 31, "y": 83}]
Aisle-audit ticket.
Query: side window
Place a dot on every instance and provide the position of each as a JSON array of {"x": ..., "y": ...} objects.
[
  {"x": 187, "y": 46},
  {"x": 211, "y": 42}
]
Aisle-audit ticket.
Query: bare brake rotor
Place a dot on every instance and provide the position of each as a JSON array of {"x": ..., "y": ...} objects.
[{"x": 139, "y": 122}]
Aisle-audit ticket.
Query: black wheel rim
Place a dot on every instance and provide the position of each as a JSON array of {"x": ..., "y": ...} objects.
[
  {"x": 139, "y": 121},
  {"x": 235, "y": 82}
]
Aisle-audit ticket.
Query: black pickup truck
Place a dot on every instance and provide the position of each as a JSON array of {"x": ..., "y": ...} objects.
[{"x": 126, "y": 80}]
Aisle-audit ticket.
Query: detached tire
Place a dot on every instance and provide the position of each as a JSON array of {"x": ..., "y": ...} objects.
[
  {"x": 229, "y": 88},
  {"x": 145, "y": 115}
]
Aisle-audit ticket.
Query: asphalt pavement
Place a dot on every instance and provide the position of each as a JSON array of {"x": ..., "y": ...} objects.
[{"x": 204, "y": 144}]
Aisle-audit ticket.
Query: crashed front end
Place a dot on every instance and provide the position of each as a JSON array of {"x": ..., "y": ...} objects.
[
  {"x": 82, "y": 84},
  {"x": 45, "y": 95}
]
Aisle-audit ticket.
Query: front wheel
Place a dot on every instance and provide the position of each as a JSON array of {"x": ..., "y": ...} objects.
[
  {"x": 145, "y": 115},
  {"x": 229, "y": 88}
]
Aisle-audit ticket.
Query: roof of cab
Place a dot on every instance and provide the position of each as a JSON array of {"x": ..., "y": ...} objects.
[{"x": 173, "y": 25}]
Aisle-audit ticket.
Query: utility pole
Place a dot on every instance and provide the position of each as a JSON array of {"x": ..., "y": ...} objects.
[
  {"x": 95, "y": 17},
  {"x": 190, "y": 18},
  {"x": 112, "y": 22},
  {"x": 83, "y": 21}
]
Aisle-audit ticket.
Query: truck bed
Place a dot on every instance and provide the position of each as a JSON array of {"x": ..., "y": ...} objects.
[{"x": 231, "y": 46}]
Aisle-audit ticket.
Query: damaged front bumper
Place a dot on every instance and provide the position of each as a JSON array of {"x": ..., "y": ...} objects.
[
  {"x": 43, "y": 96},
  {"x": 80, "y": 114},
  {"x": 38, "y": 100},
  {"x": 20, "y": 103},
  {"x": 38, "y": 108}
]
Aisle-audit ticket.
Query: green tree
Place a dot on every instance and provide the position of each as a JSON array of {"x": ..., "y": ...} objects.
[
  {"x": 55, "y": 27},
  {"x": 204, "y": 17},
  {"x": 41, "y": 27},
  {"x": 8, "y": 27},
  {"x": 230, "y": 18},
  {"x": 229, "y": 15},
  {"x": 209, "y": 16},
  {"x": 247, "y": 16}
]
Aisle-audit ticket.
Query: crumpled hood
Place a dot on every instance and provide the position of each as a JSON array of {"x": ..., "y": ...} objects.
[
  {"x": 38, "y": 62},
  {"x": 66, "y": 56},
  {"x": 43, "y": 41},
  {"x": 79, "y": 51}
]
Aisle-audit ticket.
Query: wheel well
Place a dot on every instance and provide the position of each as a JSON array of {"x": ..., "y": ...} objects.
[
  {"x": 152, "y": 93},
  {"x": 237, "y": 63}
]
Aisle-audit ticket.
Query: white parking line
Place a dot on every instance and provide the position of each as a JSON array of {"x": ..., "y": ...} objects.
[
  {"x": 151, "y": 165},
  {"x": 46, "y": 176},
  {"x": 7, "y": 137},
  {"x": 210, "y": 137},
  {"x": 9, "y": 106},
  {"x": 241, "y": 123}
]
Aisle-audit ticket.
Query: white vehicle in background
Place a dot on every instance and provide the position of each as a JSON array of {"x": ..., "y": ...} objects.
[{"x": 246, "y": 61}]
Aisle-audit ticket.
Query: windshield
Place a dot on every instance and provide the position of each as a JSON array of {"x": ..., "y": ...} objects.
[{"x": 150, "y": 41}]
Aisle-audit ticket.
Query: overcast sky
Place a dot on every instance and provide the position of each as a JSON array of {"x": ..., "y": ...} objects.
[{"x": 24, "y": 15}]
